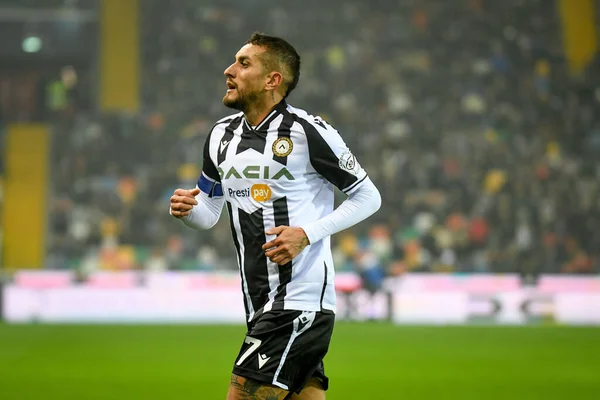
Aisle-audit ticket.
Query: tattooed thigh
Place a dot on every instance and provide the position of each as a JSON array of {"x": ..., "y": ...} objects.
[
  {"x": 241, "y": 388},
  {"x": 313, "y": 390}
]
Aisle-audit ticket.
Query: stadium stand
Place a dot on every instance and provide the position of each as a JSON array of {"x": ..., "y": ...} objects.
[{"x": 485, "y": 149}]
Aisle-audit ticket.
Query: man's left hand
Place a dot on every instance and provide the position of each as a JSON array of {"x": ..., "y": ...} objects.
[{"x": 287, "y": 245}]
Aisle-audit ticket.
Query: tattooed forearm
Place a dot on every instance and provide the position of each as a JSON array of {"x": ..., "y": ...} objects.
[
  {"x": 248, "y": 389},
  {"x": 303, "y": 244}
]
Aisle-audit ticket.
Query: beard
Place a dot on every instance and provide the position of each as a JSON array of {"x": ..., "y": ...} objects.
[{"x": 242, "y": 102}]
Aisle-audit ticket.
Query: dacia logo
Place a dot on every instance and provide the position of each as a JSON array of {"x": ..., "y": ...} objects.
[{"x": 255, "y": 172}]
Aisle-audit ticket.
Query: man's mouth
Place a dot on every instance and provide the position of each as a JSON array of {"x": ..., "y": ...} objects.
[{"x": 230, "y": 86}]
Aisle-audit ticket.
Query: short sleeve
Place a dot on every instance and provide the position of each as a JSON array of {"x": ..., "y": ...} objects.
[{"x": 330, "y": 156}]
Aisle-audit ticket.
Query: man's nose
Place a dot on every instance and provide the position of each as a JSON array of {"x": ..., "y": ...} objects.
[{"x": 229, "y": 71}]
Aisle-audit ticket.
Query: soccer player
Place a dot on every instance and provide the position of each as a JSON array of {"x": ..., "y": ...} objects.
[{"x": 275, "y": 167}]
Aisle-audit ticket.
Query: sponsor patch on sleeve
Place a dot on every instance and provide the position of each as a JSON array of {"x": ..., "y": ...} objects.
[{"x": 348, "y": 163}]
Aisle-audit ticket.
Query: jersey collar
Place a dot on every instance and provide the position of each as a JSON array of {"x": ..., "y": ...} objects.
[{"x": 278, "y": 109}]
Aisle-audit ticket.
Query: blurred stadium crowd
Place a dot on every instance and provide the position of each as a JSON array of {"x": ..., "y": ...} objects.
[{"x": 486, "y": 151}]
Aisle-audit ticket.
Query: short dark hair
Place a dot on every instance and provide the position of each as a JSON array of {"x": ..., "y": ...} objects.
[{"x": 279, "y": 54}]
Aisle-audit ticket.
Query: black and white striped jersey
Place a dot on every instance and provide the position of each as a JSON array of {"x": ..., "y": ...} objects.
[{"x": 282, "y": 172}]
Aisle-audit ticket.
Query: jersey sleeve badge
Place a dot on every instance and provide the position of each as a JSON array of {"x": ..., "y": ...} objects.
[{"x": 348, "y": 163}]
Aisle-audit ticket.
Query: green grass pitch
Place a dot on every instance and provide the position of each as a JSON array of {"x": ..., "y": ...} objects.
[{"x": 366, "y": 361}]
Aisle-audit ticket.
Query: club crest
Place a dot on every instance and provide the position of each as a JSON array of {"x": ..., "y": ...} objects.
[{"x": 283, "y": 147}]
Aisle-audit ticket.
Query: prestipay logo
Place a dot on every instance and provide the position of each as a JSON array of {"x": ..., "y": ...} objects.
[{"x": 259, "y": 192}]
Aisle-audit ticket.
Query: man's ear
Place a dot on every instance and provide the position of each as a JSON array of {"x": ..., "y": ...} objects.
[{"x": 274, "y": 80}]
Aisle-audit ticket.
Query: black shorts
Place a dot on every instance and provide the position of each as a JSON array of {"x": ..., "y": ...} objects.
[{"x": 286, "y": 348}]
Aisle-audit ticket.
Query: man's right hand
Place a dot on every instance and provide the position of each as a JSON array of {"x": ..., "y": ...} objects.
[{"x": 182, "y": 202}]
